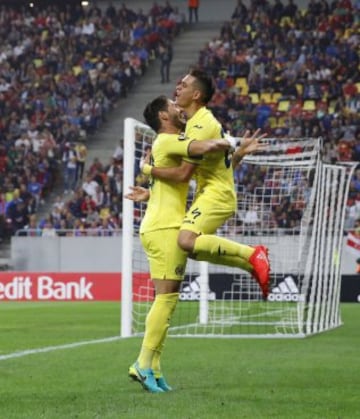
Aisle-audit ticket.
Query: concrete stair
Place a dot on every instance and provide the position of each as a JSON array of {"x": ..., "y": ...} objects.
[{"x": 186, "y": 50}]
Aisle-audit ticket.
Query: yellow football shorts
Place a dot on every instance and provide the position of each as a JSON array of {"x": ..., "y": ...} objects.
[
  {"x": 205, "y": 216},
  {"x": 166, "y": 259}
]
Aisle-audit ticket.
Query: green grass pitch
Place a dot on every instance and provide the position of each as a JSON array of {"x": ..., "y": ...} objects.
[{"x": 317, "y": 377}]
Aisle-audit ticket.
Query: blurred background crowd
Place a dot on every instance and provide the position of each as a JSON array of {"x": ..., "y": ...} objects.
[{"x": 291, "y": 72}]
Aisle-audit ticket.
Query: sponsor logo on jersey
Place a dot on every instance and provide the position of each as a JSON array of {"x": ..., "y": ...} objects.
[{"x": 179, "y": 270}]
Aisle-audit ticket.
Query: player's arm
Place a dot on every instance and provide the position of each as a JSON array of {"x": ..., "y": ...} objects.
[
  {"x": 138, "y": 194},
  {"x": 182, "y": 173},
  {"x": 198, "y": 148}
]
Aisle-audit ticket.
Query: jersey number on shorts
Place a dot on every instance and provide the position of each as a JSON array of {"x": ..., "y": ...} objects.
[{"x": 196, "y": 213}]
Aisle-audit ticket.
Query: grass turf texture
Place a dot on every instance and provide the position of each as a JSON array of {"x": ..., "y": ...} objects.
[{"x": 317, "y": 377}]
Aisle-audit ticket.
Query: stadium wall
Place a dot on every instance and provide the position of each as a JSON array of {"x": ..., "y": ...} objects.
[{"x": 103, "y": 254}]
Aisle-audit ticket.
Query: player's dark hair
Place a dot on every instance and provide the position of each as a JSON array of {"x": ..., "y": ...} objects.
[
  {"x": 205, "y": 83},
  {"x": 151, "y": 112}
]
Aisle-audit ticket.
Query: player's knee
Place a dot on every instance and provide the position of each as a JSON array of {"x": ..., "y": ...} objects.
[
  {"x": 186, "y": 241},
  {"x": 167, "y": 286}
]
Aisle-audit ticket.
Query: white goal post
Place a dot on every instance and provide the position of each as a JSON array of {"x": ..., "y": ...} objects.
[{"x": 288, "y": 200}]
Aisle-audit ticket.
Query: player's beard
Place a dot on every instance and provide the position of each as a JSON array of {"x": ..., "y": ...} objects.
[{"x": 178, "y": 122}]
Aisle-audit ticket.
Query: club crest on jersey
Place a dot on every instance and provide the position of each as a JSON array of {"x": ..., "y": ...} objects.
[
  {"x": 179, "y": 270},
  {"x": 182, "y": 136},
  {"x": 198, "y": 126}
]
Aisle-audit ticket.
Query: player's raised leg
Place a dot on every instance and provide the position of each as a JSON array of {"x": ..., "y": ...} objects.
[
  {"x": 220, "y": 251},
  {"x": 198, "y": 239}
]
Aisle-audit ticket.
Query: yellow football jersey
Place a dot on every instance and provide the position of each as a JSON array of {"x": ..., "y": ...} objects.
[
  {"x": 214, "y": 173},
  {"x": 167, "y": 203}
]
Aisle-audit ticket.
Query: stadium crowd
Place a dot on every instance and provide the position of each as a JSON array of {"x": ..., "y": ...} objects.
[
  {"x": 293, "y": 73},
  {"x": 288, "y": 71},
  {"x": 62, "y": 69}
]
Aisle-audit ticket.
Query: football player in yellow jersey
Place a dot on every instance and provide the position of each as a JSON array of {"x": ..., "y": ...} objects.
[
  {"x": 215, "y": 198},
  {"x": 160, "y": 228}
]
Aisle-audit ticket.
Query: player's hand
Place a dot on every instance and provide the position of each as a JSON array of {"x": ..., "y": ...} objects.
[
  {"x": 252, "y": 140},
  {"x": 249, "y": 144},
  {"x": 145, "y": 159},
  {"x": 138, "y": 194}
]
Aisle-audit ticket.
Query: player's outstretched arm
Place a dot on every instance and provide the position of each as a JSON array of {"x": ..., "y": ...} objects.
[
  {"x": 184, "y": 172},
  {"x": 248, "y": 144},
  {"x": 138, "y": 194},
  {"x": 198, "y": 148}
]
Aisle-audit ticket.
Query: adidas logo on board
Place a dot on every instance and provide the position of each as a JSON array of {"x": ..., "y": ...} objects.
[
  {"x": 286, "y": 290},
  {"x": 191, "y": 292}
]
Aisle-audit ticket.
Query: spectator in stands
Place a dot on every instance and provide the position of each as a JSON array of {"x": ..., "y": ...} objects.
[
  {"x": 263, "y": 112},
  {"x": 119, "y": 152},
  {"x": 32, "y": 229},
  {"x": 27, "y": 196},
  {"x": 251, "y": 220},
  {"x": 96, "y": 166},
  {"x": 17, "y": 214},
  {"x": 34, "y": 187},
  {"x": 165, "y": 54},
  {"x": 193, "y": 6},
  {"x": 87, "y": 205},
  {"x": 312, "y": 91},
  {"x": 74, "y": 207},
  {"x": 69, "y": 161},
  {"x": 241, "y": 12},
  {"x": 90, "y": 186},
  {"x": 277, "y": 10},
  {"x": 290, "y": 10},
  {"x": 48, "y": 230},
  {"x": 81, "y": 153}
]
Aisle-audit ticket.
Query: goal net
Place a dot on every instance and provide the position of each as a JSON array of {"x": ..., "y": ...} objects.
[{"x": 288, "y": 200}]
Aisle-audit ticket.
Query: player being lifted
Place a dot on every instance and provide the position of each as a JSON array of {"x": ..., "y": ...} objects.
[
  {"x": 159, "y": 231},
  {"x": 215, "y": 198},
  {"x": 160, "y": 227}
]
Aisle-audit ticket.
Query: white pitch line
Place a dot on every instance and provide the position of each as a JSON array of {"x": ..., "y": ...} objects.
[{"x": 20, "y": 354}]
